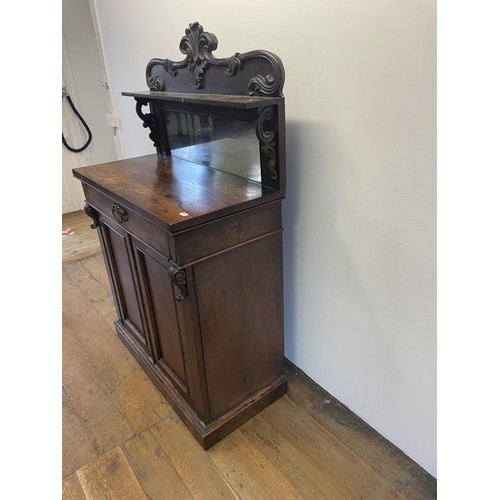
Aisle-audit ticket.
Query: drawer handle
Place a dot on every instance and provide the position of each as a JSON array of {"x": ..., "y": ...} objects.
[{"x": 119, "y": 213}]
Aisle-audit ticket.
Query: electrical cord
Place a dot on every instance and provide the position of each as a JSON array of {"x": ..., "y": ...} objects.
[{"x": 79, "y": 116}]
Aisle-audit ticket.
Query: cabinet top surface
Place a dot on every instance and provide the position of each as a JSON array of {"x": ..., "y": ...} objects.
[{"x": 176, "y": 194}]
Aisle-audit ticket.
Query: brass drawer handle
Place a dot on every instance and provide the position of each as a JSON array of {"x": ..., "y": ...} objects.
[{"x": 119, "y": 213}]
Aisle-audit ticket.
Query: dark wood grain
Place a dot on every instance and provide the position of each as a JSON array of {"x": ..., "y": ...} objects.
[
  {"x": 124, "y": 278},
  {"x": 208, "y": 239},
  {"x": 164, "y": 190},
  {"x": 243, "y": 340},
  {"x": 158, "y": 291}
]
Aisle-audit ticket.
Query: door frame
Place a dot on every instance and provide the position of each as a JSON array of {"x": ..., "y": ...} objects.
[{"x": 72, "y": 193}]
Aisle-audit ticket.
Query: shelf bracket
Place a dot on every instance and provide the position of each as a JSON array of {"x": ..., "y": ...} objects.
[
  {"x": 148, "y": 119},
  {"x": 267, "y": 141},
  {"x": 92, "y": 213}
]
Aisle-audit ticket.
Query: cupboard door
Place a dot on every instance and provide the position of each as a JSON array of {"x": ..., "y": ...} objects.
[
  {"x": 118, "y": 255},
  {"x": 162, "y": 315}
]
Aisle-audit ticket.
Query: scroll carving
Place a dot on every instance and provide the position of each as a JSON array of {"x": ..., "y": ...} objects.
[
  {"x": 198, "y": 46},
  {"x": 156, "y": 83},
  {"x": 178, "y": 278},
  {"x": 270, "y": 84},
  {"x": 266, "y": 139},
  {"x": 92, "y": 213},
  {"x": 148, "y": 120}
]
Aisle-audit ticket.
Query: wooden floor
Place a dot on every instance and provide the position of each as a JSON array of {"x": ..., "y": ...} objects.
[{"x": 122, "y": 440}]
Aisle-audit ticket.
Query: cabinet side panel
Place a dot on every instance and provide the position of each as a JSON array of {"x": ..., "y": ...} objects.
[{"x": 240, "y": 300}]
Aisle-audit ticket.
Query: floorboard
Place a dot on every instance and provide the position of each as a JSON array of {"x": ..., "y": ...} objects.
[
  {"x": 110, "y": 476},
  {"x": 122, "y": 440},
  {"x": 153, "y": 467}
]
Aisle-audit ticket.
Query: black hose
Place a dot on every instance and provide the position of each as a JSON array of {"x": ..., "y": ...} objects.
[{"x": 79, "y": 116}]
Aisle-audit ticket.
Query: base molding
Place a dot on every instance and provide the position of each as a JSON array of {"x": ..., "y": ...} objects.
[{"x": 207, "y": 434}]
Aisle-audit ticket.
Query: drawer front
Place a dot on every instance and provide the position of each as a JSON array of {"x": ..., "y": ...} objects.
[
  {"x": 132, "y": 222},
  {"x": 223, "y": 234}
]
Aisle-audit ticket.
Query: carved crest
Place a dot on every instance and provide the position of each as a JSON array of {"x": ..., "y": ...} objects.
[{"x": 198, "y": 46}]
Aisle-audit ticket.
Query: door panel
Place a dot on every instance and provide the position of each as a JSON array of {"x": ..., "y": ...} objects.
[
  {"x": 162, "y": 312},
  {"x": 122, "y": 275}
]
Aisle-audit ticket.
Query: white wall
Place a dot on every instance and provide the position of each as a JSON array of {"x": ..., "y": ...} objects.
[{"x": 360, "y": 228}]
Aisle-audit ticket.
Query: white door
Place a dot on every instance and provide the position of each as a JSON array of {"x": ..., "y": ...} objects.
[
  {"x": 72, "y": 192},
  {"x": 85, "y": 77}
]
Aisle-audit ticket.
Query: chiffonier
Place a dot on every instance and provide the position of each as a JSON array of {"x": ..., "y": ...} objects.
[{"x": 192, "y": 234}]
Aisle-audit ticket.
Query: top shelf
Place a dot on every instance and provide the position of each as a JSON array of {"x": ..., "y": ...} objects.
[{"x": 221, "y": 100}]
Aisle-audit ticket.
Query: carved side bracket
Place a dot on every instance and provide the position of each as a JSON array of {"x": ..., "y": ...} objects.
[
  {"x": 93, "y": 214},
  {"x": 148, "y": 120},
  {"x": 198, "y": 46},
  {"x": 178, "y": 278},
  {"x": 266, "y": 139}
]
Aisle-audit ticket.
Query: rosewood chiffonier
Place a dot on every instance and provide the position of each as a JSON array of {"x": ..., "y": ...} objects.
[{"x": 192, "y": 234}]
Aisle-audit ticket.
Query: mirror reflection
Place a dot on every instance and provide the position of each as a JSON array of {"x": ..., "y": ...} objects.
[{"x": 217, "y": 142}]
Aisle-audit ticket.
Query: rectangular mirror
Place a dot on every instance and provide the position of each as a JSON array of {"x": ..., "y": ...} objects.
[{"x": 220, "y": 143}]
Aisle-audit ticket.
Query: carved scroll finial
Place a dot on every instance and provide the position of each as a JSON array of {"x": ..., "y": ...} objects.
[{"x": 198, "y": 46}]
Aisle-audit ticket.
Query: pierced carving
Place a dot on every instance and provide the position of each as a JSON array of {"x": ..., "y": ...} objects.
[
  {"x": 93, "y": 214},
  {"x": 178, "y": 278},
  {"x": 148, "y": 119},
  {"x": 198, "y": 46},
  {"x": 266, "y": 139}
]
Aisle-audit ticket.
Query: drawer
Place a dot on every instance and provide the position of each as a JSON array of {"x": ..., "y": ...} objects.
[
  {"x": 223, "y": 234},
  {"x": 132, "y": 222}
]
